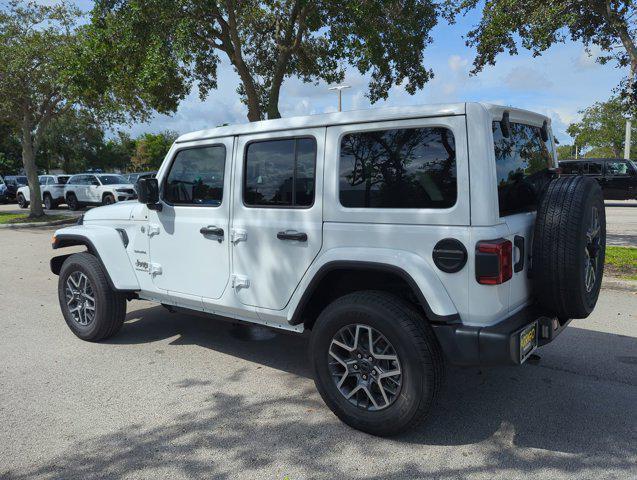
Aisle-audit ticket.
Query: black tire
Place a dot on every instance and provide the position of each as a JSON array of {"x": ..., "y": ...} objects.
[
  {"x": 108, "y": 199},
  {"x": 22, "y": 202},
  {"x": 71, "y": 201},
  {"x": 109, "y": 306},
  {"x": 49, "y": 204},
  {"x": 563, "y": 254},
  {"x": 413, "y": 341}
]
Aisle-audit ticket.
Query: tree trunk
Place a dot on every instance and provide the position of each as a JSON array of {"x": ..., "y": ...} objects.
[
  {"x": 31, "y": 170},
  {"x": 273, "y": 97}
]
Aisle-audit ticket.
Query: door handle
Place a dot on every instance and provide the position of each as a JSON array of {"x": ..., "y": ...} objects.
[
  {"x": 292, "y": 235},
  {"x": 518, "y": 241},
  {"x": 212, "y": 230}
]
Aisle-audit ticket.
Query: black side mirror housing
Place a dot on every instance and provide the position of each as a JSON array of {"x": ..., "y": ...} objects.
[
  {"x": 148, "y": 192},
  {"x": 505, "y": 125}
]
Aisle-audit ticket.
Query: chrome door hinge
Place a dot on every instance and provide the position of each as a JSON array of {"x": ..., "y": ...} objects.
[
  {"x": 238, "y": 235},
  {"x": 154, "y": 269},
  {"x": 239, "y": 281},
  {"x": 153, "y": 229}
]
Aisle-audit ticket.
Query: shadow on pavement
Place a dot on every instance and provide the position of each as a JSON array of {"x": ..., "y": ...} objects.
[{"x": 576, "y": 423}]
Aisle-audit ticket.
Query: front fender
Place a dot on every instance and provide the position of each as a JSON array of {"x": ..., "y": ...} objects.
[
  {"x": 107, "y": 245},
  {"x": 413, "y": 268}
]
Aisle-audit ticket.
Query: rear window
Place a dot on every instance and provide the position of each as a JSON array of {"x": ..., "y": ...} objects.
[
  {"x": 522, "y": 161},
  {"x": 399, "y": 168},
  {"x": 62, "y": 180}
]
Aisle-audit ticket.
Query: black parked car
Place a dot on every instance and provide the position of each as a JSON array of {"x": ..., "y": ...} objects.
[
  {"x": 618, "y": 177},
  {"x": 11, "y": 185}
]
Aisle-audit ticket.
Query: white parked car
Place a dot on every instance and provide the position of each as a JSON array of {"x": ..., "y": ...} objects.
[
  {"x": 51, "y": 190},
  {"x": 403, "y": 238},
  {"x": 97, "y": 189}
]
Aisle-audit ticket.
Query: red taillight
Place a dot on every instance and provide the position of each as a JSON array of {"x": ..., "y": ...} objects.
[{"x": 494, "y": 261}]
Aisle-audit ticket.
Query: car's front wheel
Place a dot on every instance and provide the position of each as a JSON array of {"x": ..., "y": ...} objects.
[
  {"x": 376, "y": 362},
  {"x": 49, "y": 204},
  {"x": 108, "y": 199},
  {"x": 92, "y": 309}
]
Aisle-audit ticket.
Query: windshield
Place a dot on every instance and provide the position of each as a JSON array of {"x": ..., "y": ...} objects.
[{"x": 111, "y": 179}]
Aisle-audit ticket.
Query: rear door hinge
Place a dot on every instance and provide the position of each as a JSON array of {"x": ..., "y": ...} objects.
[
  {"x": 240, "y": 281},
  {"x": 238, "y": 235}
]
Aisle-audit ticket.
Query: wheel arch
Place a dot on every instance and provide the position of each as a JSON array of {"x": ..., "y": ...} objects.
[
  {"x": 388, "y": 275},
  {"x": 107, "y": 245}
]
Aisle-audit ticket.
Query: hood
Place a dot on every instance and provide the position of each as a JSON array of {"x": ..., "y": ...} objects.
[
  {"x": 122, "y": 185},
  {"x": 117, "y": 211}
]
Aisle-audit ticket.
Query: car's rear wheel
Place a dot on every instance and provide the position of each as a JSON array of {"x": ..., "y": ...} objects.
[
  {"x": 22, "y": 202},
  {"x": 71, "y": 201},
  {"x": 108, "y": 199},
  {"x": 92, "y": 309},
  {"x": 376, "y": 362},
  {"x": 49, "y": 204}
]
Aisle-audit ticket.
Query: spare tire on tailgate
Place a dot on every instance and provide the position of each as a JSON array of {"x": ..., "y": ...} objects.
[{"x": 569, "y": 244}]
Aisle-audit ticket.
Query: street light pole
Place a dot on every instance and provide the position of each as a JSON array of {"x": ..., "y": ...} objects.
[
  {"x": 339, "y": 89},
  {"x": 629, "y": 123}
]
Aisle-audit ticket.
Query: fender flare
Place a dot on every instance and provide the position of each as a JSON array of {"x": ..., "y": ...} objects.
[
  {"x": 442, "y": 310},
  {"x": 107, "y": 244}
]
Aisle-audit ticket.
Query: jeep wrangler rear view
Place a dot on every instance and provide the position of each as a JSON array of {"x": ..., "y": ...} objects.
[{"x": 403, "y": 238}]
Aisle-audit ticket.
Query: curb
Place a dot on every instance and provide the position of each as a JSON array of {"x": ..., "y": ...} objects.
[
  {"x": 54, "y": 223},
  {"x": 613, "y": 283}
]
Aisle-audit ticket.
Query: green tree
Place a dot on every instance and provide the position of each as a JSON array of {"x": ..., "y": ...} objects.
[
  {"x": 565, "y": 152},
  {"x": 36, "y": 42},
  {"x": 150, "y": 150},
  {"x": 536, "y": 25},
  {"x": 602, "y": 127},
  {"x": 72, "y": 142},
  {"x": 10, "y": 151},
  {"x": 158, "y": 48}
]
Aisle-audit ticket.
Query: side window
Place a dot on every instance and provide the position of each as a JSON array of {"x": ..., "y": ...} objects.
[
  {"x": 617, "y": 168},
  {"x": 42, "y": 180},
  {"x": 522, "y": 160},
  {"x": 572, "y": 168},
  {"x": 280, "y": 173},
  {"x": 400, "y": 168},
  {"x": 91, "y": 180},
  {"x": 594, "y": 168},
  {"x": 196, "y": 177}
]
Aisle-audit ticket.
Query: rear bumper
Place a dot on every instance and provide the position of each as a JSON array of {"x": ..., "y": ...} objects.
[{"x": 497, "y": 344}]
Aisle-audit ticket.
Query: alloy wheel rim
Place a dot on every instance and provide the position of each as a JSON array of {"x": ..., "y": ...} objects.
[
  {"x": 365, "y": 367},
  {"x": 80, "y": 298},
  {"x": 592, "y": 251}
]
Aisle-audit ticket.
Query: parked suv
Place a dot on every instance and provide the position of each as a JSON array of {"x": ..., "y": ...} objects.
[
  {"x": 12, "y": 183},
  {"x": 97, "y": 189},
  {"x": 403, "y": 238},
  {"x": 51, "y": 189},
  {"x": 617, "y": 177}
]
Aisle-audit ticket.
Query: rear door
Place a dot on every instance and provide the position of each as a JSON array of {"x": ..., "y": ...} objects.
[
  {"x": 522, "y": 161},
  {"x": 618, "y": 180},
  {"x": 277, "y": 214}
]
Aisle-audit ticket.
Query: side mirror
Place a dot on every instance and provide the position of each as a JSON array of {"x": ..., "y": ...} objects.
[
  {"x": 148, "y": 192},
  {"x": 505, "y": 125},
  {"x": 95, "y": 183}
]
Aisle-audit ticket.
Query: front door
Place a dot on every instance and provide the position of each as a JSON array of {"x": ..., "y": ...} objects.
[
  {"x": 618, "y": 180},
  {"x": 188, "y": 244},
  {"x": 277, "y": 219}
]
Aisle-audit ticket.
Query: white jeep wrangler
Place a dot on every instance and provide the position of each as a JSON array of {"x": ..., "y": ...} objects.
[{"x": 403, "y": 238}]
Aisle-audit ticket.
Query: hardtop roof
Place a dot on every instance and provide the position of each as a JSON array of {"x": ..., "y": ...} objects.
[{"x": 349, "y": 117}]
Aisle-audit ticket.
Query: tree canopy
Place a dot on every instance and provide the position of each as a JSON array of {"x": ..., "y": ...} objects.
[
  {"x": 602, "y": 127},
  {"x": 536, "y": 25},
  {"x": 151, "y": 52}
]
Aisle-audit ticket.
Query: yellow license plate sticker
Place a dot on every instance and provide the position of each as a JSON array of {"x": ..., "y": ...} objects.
[{"x": 528, "y": 341}]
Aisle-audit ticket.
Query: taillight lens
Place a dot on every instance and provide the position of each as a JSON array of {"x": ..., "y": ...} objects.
[{"x": 494, "y": 261}]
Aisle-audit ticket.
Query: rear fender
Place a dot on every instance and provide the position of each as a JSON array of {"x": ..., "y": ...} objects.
[
  {"x": 107, "y": 245},
  {"x": 413, "y": 268}
]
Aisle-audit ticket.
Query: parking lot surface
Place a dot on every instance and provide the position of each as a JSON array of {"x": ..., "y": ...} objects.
[{"x": 177, "y": 396}]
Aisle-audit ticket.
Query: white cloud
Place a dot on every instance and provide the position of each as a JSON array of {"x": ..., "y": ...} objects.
[
  {"x": 527, "y": 78},
  {"x": 457, "y": 63},
  {"x": 586, "y": 60}
]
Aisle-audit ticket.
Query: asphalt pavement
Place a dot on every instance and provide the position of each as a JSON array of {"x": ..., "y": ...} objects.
[{"x": 179, "y": 396}]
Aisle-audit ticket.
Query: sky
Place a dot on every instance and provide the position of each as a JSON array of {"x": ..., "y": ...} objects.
[{"x": 558, "y": 84}]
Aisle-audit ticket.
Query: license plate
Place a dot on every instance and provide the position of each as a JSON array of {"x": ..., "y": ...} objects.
[{"x": 528, "y": 341}]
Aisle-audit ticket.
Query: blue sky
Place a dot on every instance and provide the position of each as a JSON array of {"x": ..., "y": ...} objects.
[{"x": 559, "y": 84}]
